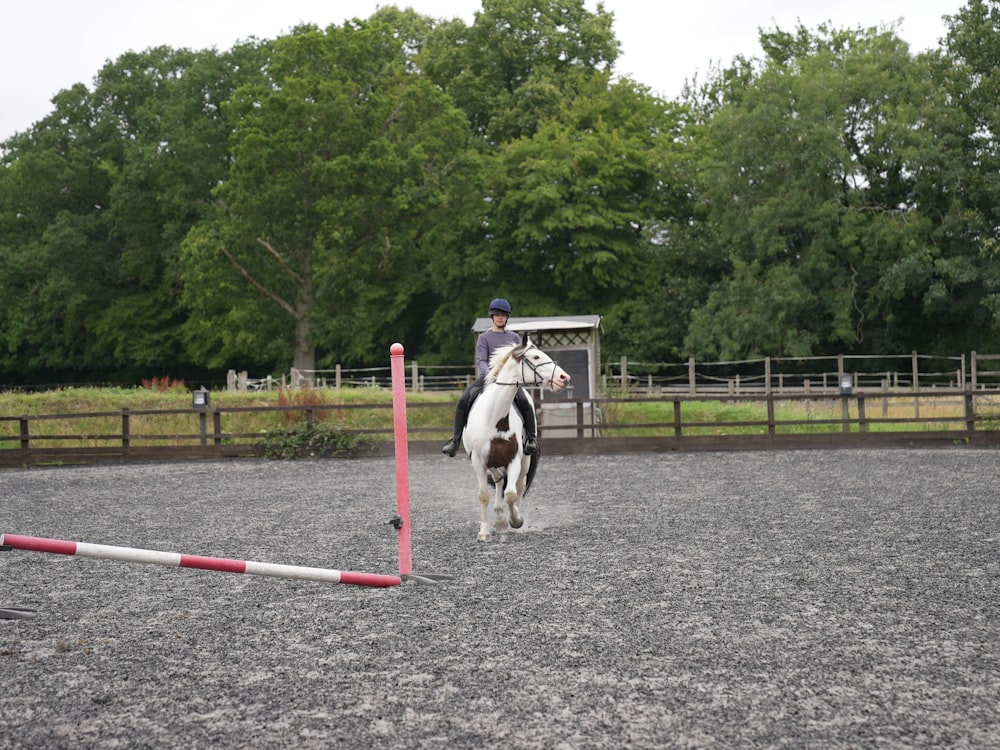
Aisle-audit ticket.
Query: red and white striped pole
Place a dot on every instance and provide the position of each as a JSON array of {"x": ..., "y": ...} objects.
[
  {"x": 402, "y": 458},
  {"x": 177, "y": 560}
]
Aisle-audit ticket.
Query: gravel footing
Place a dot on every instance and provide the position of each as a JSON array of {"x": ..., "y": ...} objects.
[{"x": 797, "y": 599}]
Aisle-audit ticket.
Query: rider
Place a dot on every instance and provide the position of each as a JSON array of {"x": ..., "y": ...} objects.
[{"x": 488, "y": 342}]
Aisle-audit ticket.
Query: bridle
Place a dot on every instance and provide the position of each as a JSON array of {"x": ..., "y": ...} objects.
[{"x": 536, "y": 379}]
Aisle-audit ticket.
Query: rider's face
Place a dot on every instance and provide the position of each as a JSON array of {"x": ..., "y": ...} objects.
[{"x": 499, "y": 319}]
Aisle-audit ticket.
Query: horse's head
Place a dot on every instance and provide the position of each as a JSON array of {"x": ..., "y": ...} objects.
[{"x": 537, "y": 367}]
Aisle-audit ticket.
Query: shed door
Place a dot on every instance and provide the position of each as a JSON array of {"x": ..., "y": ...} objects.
[{"x": 577, "y": 363}]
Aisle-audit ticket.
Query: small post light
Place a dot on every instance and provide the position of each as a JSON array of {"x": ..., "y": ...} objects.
[
  {"x": 201, "y": 398},
  {"x": 846, "y": 384}
]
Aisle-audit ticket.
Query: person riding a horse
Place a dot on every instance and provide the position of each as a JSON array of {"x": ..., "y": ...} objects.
[{"x": 488, "y": 342}]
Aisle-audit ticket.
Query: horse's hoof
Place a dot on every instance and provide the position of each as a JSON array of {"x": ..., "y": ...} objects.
[
  {"x": 516, "y": 523},
  {"x": 500, "y": 524},
  {"x": 485, "y": 536}
]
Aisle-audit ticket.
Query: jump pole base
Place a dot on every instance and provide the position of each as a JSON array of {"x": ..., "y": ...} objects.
[
  {"x": 15, "y": 613},
  {"x": 426, "y": 579}
]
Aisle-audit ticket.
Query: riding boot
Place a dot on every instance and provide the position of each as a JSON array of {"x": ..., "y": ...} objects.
[
  {"x": 461, "y": 414},
  {"x": 527, "y": 410},
  {"x": 451, "y": 447}
]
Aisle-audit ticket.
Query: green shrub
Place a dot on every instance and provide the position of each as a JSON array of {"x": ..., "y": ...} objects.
[{"x": 316, "y": 440}]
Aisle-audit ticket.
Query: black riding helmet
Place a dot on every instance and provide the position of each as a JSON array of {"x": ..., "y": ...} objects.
[{"x": 499, "y": 305}]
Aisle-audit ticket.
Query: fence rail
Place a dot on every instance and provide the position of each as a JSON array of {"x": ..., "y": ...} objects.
[
  {"x": 782, "y": 419},
  {"x": 911, "y": 371}
]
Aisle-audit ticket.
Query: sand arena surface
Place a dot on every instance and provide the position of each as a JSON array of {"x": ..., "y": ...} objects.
[{"x": 835, "y": 599}]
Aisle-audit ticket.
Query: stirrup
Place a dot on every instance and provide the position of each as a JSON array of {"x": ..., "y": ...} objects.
[
  {"x": 530, "y": 446},
  {"x": 450, "y": 448}
]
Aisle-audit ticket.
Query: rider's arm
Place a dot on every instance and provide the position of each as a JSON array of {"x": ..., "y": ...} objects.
[{"x": 483, "y": 354}]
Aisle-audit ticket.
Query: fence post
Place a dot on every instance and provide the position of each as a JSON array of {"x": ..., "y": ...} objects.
[
  {"x": 126, "y": 436},
  {"x": 217, "y": 427},
  {"x": 862, "y": 422},
  {"x": 414, "y": 376},
  {"x": 337, "y": 376},
  {"x": 770, "y": 413},
  {"x": 25, "y": 437},
  {"x": 767, "y": 375},
  {"x": 916, "y": 385},
  {"x": 677, "y": 417},
  {"x": 973, "y": 366},
  {"x": 624, "y": 371},
  {"x": 970, "y": 412},
  {"x": 692, "y": 377}
]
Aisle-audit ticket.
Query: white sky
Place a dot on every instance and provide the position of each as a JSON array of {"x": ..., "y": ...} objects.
[{"x": 49, "y": 46}]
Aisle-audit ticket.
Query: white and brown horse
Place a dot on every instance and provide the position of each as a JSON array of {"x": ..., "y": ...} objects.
[{"x": 494, "y": 434}]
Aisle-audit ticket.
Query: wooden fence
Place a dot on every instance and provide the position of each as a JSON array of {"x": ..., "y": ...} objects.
[
  {"x": 932, "y": 417},
  {"x": 912, "y": 371}
]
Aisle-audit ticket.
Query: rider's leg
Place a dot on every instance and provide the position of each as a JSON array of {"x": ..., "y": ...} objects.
[
  {"x": 527, "y": 411},
  {"x": 461, "y": 415}
]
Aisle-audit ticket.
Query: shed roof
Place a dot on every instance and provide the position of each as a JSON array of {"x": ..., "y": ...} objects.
[{"x": 562, "y": 323}]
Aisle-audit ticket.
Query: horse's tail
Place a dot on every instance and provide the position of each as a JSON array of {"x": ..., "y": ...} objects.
[{"x": 532, "y": 468}]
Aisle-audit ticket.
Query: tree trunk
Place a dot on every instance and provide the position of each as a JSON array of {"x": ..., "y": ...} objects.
[{"x": 305, "y": 351}]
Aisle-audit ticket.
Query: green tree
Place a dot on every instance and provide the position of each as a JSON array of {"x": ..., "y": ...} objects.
[
  {"x": 971, "y": 77},
  {"x": 166, "y": 109},
  {"x": 576, "y": 164},
  {"x": 577, "y": 202},
  {"x": 348, "y": 171},
  {"x": 95, "y": 200},
  {"x": 518, "y": 61},
  {"x": 817, "y": 179},
  {"x": 58, "y": 262}
]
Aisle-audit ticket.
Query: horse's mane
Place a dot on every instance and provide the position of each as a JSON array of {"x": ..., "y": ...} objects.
[{"x": 498, "y": 359}]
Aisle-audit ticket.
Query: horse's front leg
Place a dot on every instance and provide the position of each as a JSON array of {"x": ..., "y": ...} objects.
[
  {"x": 515, "y": 491},
  {"x": 485, "y": 533},
  {"x": 499, "y": 517}
]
